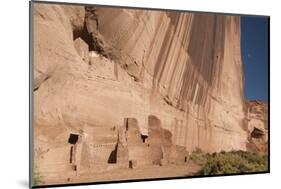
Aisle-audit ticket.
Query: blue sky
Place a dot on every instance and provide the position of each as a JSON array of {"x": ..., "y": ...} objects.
[{"x": 254, "y": 47}]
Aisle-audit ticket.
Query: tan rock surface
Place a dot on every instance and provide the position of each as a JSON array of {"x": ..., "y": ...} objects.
[
  {"x": 185, "y": 69},
  {"x": 257, "y": 124}
]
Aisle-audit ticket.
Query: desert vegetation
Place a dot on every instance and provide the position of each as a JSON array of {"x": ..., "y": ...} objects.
[{"x": 229, "y": 162}]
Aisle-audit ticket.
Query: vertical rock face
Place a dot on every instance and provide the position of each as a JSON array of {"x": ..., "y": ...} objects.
[
  {"x": 257, "y": 124},
  {"x": 184, "y": 69}
]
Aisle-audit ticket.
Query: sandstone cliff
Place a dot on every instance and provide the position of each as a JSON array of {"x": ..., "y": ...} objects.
[
  {"x": 184, "y": 68},
  {"x": 96, "y": 66},
  {"x": 257, "y": 124}
]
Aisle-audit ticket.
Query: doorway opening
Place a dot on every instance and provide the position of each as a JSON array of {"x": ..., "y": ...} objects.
[
  {"x": 73, "y": 139},
  {"x": 144, "y": 138}
]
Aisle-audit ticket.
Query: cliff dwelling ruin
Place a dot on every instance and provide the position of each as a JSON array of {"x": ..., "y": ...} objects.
[
  {"x": 133, "y": 90},
  {"x": 119, "y": 147}
]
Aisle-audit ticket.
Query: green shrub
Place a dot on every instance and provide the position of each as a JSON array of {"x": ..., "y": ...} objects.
[
  {"x": 198, "y": 157},
  {"x": 36, "y": 179},
  {"x": 233, "y": 162}
]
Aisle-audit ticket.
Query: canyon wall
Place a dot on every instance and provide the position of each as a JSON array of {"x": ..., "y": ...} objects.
[
  {"x": 96, "y": 66},
  {"x": 257, "y": 124}
]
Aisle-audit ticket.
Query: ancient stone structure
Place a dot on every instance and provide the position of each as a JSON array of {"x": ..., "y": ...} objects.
[
  {"x": 177, "y": 76},
  {"x": 82, "y": 49},
  {"x": 118, "y": 147}
]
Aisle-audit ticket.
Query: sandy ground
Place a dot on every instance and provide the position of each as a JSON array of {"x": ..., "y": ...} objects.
[{"x": 128, "y": 174}]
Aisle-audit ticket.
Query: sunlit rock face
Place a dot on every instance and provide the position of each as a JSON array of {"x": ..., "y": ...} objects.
[
  {"x": 95, "y": 66},
  {"x": 257, "y": 124}
]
